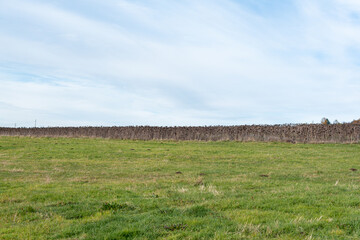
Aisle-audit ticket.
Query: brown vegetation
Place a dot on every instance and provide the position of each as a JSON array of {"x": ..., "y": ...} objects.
[{"x": 306, "y": 133}]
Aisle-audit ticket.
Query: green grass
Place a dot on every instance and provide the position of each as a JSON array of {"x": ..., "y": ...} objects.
[{"x": 63, "y": 188}]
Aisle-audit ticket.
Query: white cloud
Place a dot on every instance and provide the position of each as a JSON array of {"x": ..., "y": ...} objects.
[{"x": 183, "y": 63}]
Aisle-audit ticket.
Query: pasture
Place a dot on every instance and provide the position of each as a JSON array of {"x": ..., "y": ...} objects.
[{"x": 85, "y": 188}]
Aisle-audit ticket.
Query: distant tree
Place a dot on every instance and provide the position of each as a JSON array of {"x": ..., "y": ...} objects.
[
  {"x": 356, "y": 121},
  {"x": 325, "y": 121},
  {"x": 336, "y": 122}
]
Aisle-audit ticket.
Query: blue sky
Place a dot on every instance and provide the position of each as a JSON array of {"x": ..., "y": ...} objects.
[{"x": 206, "y": 62}]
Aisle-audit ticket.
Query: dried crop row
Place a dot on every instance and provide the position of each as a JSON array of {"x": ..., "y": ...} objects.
[{"x": 306, "y": 133}]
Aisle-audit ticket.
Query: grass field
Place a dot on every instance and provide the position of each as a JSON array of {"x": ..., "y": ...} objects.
[{"x": 63, "y": 188}]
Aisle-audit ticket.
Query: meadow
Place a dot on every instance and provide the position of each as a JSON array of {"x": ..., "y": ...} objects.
[{"x": 92, "y": 188}]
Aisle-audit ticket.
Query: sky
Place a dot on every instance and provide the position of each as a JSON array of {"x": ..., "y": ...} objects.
[{"x": 178, "y": 63}]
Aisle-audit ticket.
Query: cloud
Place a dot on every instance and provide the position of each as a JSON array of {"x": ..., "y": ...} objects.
[{"x": 179, "y": 63}]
